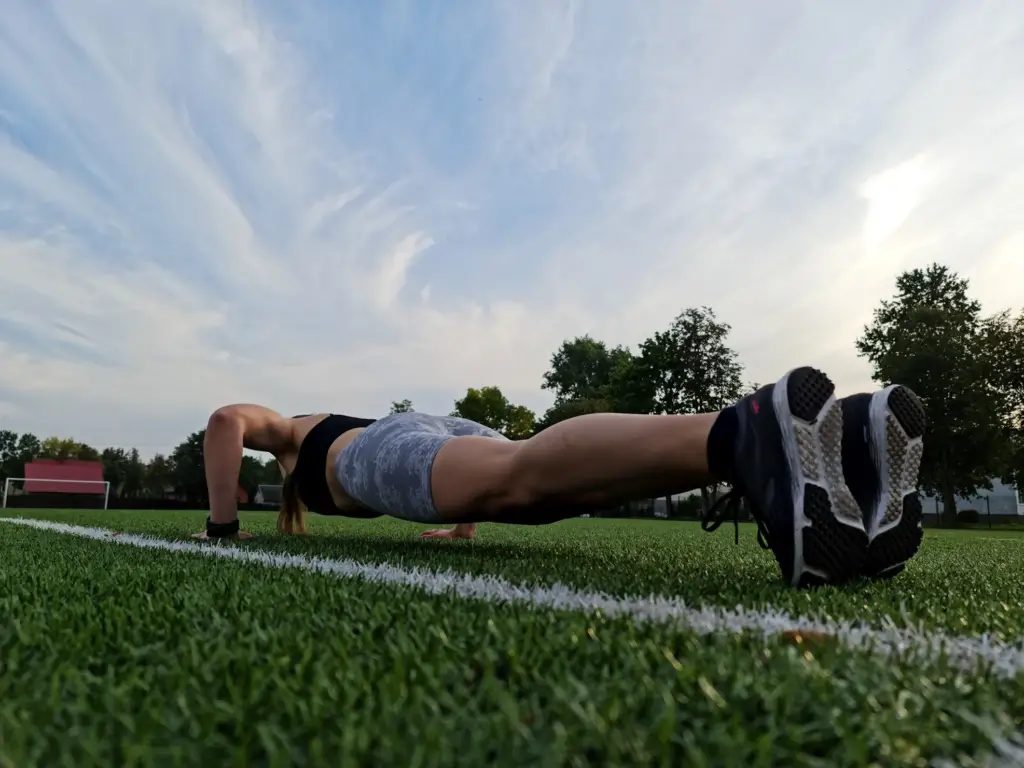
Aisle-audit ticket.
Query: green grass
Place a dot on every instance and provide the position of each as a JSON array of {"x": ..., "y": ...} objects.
[
  {"x": 964, "y": 582},
  {"x": 111, "y": 654}
]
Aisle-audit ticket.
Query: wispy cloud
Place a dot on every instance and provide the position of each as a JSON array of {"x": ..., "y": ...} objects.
[{"x": 324, "y": 205}]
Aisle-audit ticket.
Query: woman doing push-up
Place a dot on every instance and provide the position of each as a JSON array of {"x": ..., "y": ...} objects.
[{"x": 831, "y": 483}]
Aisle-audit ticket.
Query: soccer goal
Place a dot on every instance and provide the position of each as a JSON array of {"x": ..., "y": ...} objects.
[{"x": 42, "y": 492}]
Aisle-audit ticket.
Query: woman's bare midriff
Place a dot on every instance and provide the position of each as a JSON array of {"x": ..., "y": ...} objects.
[{"x": 302, "y": 427}]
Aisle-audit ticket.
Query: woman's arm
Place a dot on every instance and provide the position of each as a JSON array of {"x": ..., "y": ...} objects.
[
  {"x": 229, "y": 430},
  {"x": 222, "y": 452}
]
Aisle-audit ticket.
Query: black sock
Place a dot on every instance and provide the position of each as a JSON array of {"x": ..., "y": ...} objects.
[{"x": 722, "y": 444}]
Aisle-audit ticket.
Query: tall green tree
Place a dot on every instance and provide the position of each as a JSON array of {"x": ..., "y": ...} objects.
[
  {"x": 1005, "y": 339},
  {"x": 8, "y": 455},
  {"x": 63, "y": 448},
  {"x": 581, "y": 369},
  {"x": 159, "y": 476},
  {"x": 586, "y": 376},
  {"x": 631, "y": 388},
  {"x": 29, "y": 447},
  {"x": 84, "y": 452},
  {"x": 134, "y": 477},
  {"x": 568, "y": 409},
  {"x": 190, "y": 469},
  {"x": 115, "y": 469},
  {"x": 59, "y": 448},
  {"x": 16, "y": 451},
  {"x": 520, "y": 422},
  {"x": 271, "y": 472},
  {"x": 401, "y": 406},
  {"x": 690, "y": 368},
  {"x": 932, "y": 337},
  {"x": 124, "y": 470},
  {"x": 490, "y": 407}
]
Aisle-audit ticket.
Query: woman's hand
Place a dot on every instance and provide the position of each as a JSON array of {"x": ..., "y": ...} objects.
[
  {"x": 460, "y": 531},
  {"x": 202, "y": 536}
]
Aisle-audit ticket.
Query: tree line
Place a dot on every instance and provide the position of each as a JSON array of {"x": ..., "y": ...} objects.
[
  {"x": 931, "y": 335},
  {"x": 179, "y": 474}
]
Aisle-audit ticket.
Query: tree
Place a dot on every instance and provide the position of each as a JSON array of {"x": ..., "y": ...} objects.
[
  {"x": 115, "y": 468},
  {"x": 932, "y": 337},
  {"x": 272, "y": 472},
  {"x": 520, "y": 422},
  {"x": 490, "y": 407},
  {"x": 570, "y": 409},
  {"x": 690, "y": 368},
  {"x": 85, "y": 452},
  {"x": 134, "y": 479},
  {"x": 124, "y": 471},
  {"x": 59, "y": 448},
  {"x": 29, "y": 447},
  {"x": 64, "y": 448},
  {"x": 190, "y": 469},
  {"x": 15, "y": 452},
  {"x": 581, "y": 369},
  {"x": 631, "y": 388},
  {"x": 588, "y": 377},
  {"x": 8, "y": 454},
  {"x": 159, "y": 476},
  {"x": 1006, "y": 341},
  {"x": 401, "y": 406}
]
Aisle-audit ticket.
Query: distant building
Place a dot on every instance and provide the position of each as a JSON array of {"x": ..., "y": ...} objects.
[
  {"x": 268, "y": 495},
  {"x": 59, "y": 476}
]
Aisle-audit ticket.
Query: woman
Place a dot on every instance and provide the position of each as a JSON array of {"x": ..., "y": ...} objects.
[{"x": 780, "y": 447}]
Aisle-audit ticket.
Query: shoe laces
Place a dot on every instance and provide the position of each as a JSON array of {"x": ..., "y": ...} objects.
[{"x": 729, "y": 506}]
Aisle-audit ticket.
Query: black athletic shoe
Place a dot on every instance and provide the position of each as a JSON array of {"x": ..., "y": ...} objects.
[
  {"x": 882, "y": 449},
  {"x": 788, "y": 467}
]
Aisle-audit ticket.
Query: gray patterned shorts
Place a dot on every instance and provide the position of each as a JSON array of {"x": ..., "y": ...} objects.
[{"x": 387, "y": 467}]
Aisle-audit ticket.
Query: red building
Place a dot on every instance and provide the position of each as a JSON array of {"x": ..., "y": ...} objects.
[{"x": 39, "y": 471}]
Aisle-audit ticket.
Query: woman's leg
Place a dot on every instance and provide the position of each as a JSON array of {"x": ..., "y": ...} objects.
[
  {"x": 433, "y": 469},
  {"x": 578, "y": 465},
  {"x": 779, "y": 447}
]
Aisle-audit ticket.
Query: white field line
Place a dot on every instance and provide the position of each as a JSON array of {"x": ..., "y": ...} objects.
[
  {"x": 998, "y": 538},
  {"x": 966, "y": 652}
]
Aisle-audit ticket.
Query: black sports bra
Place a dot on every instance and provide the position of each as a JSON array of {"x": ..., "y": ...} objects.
[{"x": 310, "y": 473}]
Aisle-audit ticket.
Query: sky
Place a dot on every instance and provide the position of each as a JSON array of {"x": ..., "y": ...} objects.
[{"x": 327, "y": 205}]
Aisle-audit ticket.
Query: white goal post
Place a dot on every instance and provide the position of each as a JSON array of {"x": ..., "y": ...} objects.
[{"x": 102, "y": 488}]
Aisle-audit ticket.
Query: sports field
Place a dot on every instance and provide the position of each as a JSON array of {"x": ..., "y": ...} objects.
[{"x": 589, "y": 642}]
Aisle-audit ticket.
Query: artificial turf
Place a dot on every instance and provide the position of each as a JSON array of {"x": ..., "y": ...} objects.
[
  {"x": 964, "y": 582},
  {"x": 115, "y": 655}
]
